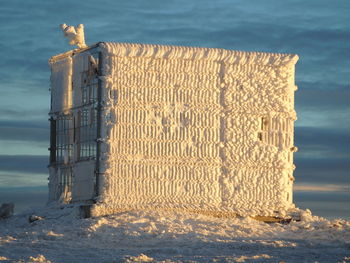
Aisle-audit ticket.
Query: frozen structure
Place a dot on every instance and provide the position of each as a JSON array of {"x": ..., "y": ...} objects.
[
  {"x": 75, "y": 35},
  {"x": 138, "y": 126}
]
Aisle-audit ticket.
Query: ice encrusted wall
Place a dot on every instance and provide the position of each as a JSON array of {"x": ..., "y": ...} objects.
[
  {"x": 198, "y": 129},
  {"x": 71, "y": 178},
  {"x": 61, "y": 85}
]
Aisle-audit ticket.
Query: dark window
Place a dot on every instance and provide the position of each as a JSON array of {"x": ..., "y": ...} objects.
[
  {"x": 86, "y": 124},
  {"x": 52, "y": 141},
  {"x": 65, "y": 179},
  {"x": 64, "y": 139},
  {"x": 87, "y": 130}
]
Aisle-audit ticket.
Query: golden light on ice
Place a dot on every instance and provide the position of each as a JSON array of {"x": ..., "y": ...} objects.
[{"x": 153, "y": 126}]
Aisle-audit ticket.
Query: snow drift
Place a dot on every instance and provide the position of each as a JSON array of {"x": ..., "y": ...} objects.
[{"x": 57, "y": 235}]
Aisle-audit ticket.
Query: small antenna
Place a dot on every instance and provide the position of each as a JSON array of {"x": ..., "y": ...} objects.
[{"x": 75, "y": 35}]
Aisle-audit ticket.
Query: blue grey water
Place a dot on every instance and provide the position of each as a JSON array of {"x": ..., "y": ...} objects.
[{"x": 317, "y": 30}]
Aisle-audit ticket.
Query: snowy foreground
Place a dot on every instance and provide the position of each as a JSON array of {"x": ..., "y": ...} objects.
[{"x": 159, "y": 236}]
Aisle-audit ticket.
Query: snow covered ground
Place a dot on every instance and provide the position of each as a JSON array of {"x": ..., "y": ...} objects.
[{"x": 163, "y": 236}]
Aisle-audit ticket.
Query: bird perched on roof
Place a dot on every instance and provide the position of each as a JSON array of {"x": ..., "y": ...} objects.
[{"x": 74, "y": 34}]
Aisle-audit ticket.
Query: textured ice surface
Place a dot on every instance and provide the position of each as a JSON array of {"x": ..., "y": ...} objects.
[
  {"x": 186, "y": 128},
  {"x": 198, "y": 129},
  {"x": 67, "y": 78},
  {"x": 61, "y": 85},
  {"x": 75, "y": 35},
  {"x": 159, "y": 236}
]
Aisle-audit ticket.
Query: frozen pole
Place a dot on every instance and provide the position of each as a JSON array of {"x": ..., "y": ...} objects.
[{"x": 74, "y": 34}]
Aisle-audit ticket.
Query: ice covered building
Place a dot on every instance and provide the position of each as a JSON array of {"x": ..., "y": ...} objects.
[{"x": 138, "y": 126}]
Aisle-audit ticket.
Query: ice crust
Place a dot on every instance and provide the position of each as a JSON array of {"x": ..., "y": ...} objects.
[
  {"x": 75, "y": 35},
  {"x": 168, "y": 236},
  {"x": 66, "y": 93},
  {"x": 196, "y": 129},
  {"x": 199, "y": 129},
  {"x": 61, "y": 85}
]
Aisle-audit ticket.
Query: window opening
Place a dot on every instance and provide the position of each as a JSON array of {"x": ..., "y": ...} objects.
[
  {"x": 64, "y": 139},
  {"x": 87, "y": 133},
  {"x": 263, "y": 128},
  {"x": 52, "y": 141},
  {"x": 264, "y": 124},
  {"x": 86, "y": 126},
  {"x": 66, "y": 182}
]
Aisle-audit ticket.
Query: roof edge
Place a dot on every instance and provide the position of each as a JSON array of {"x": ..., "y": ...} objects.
[
  {"x": 196, "y": 53},
  {"x": 72, "y": 52},
  {"x": 185, "y": 52}
]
